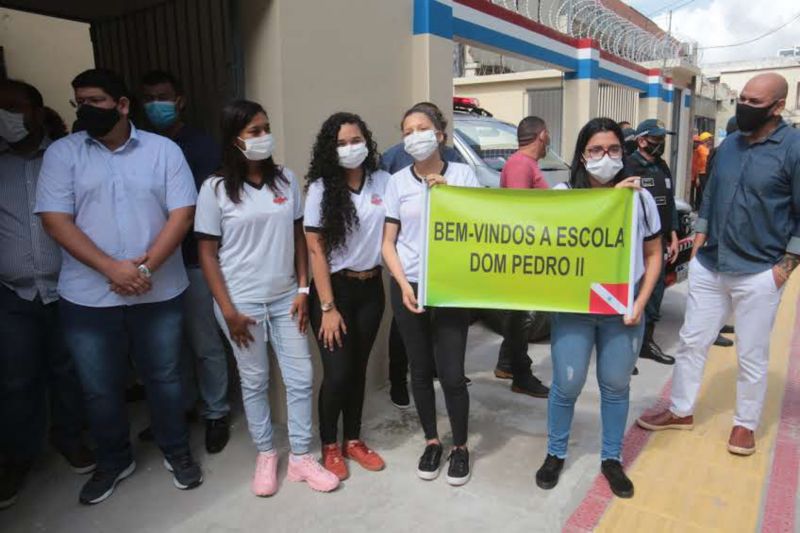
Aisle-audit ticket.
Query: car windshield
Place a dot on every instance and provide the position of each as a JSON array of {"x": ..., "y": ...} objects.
[{"x": 494, "y": 142}]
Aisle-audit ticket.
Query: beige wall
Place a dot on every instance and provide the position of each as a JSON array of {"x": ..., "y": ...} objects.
[
  {"x": 306, "y": 59},
  {"x": 46, "y": 52},
  {"x": 737, "y": 80},
  {"x": 506, "y": 95}
]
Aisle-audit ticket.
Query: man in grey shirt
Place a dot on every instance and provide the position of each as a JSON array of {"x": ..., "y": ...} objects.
[
  {"x": 34, "y": 362},
  {"x": 747, "y": 245}
]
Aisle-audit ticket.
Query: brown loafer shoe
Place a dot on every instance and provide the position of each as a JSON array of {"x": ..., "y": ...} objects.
[
  {"x": 742, "y": 441},
  {"x": 665, "y": 420}
]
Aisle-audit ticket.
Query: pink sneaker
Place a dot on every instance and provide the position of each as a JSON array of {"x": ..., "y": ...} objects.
[
  {"x": 307, "y": 468},
  {"x": 265, "y": 479}
]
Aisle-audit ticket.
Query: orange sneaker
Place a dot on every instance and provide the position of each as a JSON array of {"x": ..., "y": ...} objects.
[
  {"x": 333, "y": 461},
  {"x": 358, "y": 452}
]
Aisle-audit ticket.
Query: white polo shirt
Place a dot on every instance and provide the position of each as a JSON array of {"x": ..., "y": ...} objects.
[
  {"x": 649, "y": 226},
  {"x": 362, "y": 247},
  {"x": 256, "y": 235},
  {"x": 404, "y": 196}
]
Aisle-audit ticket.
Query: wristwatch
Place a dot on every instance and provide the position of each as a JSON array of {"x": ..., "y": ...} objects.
[
  {"x": 327, "y": 306},
  {"x": 144, "y": 270},
  {"x": 304, "y": 290}
]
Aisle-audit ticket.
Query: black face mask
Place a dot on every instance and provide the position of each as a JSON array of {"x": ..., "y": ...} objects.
[
  {"x": 96, "y": 121},
  {"x": 654, "y": 149},
  {"x": 750, "y": 118}
]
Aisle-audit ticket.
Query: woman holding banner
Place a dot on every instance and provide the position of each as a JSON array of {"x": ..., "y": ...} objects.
[
  {"x": 343, "y": 220},
  {"x": 597, "y": 163},
  {"x": 435, "y": 338}
]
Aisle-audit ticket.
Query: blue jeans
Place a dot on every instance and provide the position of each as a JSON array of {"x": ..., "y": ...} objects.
[
  {"x": 203, "y": 353},
  {"x": 652, "y": 311},
  {"x": 573, "y": 336},
  {"x": 100, "y": 339},
  {"x": 274, "y": 326},
  {"x": 35, "y": 367}
]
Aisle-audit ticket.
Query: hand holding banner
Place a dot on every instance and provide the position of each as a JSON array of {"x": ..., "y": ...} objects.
[{"x": 548, "y": 250}]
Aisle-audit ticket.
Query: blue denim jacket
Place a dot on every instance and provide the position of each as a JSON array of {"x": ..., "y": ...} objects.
[{"x": 751, "y": 206}]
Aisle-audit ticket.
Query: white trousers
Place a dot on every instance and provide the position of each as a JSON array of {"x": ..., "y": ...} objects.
[{"x": 754, "y": 300}]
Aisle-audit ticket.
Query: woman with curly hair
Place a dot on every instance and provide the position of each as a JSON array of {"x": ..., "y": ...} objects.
[
  {"x": 251, "y": 247},
  {"x": 435, "y": 338},
  {"x": 344, "y": 222}
]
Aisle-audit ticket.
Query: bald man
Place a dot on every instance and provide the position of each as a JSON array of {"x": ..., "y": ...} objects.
[{"x": 747, "y": 244}]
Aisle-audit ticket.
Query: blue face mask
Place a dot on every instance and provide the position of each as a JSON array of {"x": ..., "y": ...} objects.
[{"x": 161, "y": 114}]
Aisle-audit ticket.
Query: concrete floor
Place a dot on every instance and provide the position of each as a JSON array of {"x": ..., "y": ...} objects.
[{"x": 507, "y": 443}]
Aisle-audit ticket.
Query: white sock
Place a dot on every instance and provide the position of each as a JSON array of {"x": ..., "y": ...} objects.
[
  {"x": 295, "y": 458},
  {"x": 268, "y": 453}
]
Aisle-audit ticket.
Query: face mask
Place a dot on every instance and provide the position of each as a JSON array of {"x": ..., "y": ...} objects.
[
  {"x": 751, "y": 118},
  {"x": 258, "y": 148},
  {"x": 12, "y": 126},
  {"x": 96, "y": 121},
  {"x": 421, "y": 144},
  {"x": 654, "y": 149},
  {"x": 352, "y": 155},
  {"x": 162, "y": 115},
  {"x": 605, "y": 169}
]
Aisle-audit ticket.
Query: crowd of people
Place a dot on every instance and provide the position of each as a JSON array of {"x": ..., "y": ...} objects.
[{"x": 152, "y": 254}]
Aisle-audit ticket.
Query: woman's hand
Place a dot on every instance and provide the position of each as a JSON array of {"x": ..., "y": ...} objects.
[
  {"x": 299, "y": 310},
  {"x": 410, "y": 300},
  {"x": 239, "y": 328},
  {"x": 633, "y": 182},
  {"x": 636, "y": 316},
  {"x": 435, "y": 179},
  {"x": 332, "y": 330}
]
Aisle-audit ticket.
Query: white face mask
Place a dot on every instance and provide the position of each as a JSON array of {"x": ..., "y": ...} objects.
[
  {"x": 352, "y": 155},
  {"x": 605, "y": 169},
  {"x": 258, "y": 148},
  {"x": 421, "y": 144},
  {"x": 12, "y": 126}
]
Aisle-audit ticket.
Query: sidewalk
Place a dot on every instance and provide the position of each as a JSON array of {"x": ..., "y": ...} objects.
[
  {"x": 507, "y": 443},
  {"x": 687, "y": 481}
]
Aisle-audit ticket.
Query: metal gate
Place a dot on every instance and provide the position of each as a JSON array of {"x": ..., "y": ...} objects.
[
  {"x": 192, "y": 39},
  {"x": 618, "y": 103},
  {"x": 547, "y": 105}
]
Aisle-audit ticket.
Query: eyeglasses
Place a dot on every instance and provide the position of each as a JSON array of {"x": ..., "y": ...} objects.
[
  {"x": 596, "y": 153},
  {"x": 92, "y": 100}
]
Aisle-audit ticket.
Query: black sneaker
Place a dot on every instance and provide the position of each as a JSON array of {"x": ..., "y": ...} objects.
[
  {"x": 467, "y": 381},
  {"x": 146, "y": 435},
  {"x": 458, "y": 471},
  {"x": 547, "y": 475},
  {"x": 430, "y": 461},
  {"x": 81, "y": 459},
  {"x": 530, "y": 385},
  {"x": 635, "y": 371},
  {"x": 725, "y": 342},
  {"x": 186, "y": 473},
  {"x": 399, "y": 396},
  {"x": 620, "y": 483},
  {"x": 727, "y": 330},
  {"x": 102, "y": 484},
  {"x": 11, "y": 478},
  {"x": 217, "y": 434}
]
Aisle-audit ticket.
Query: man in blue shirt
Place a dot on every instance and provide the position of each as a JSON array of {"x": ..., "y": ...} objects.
[
  {"x": 747, "y": 245},
  {"x": 35, "y": 365},
  {"x": 119, "y": 201},
  {"x": 164, "y": 100}
]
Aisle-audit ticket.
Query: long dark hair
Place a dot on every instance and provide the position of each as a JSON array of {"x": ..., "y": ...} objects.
[
  {"x": 579, "y": 177},
  {"x": 339, "y": 215},
  {"x": 235, "y": 117}
]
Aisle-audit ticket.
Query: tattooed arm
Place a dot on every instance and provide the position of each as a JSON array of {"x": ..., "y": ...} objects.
[{"x": 783, "y": 269}]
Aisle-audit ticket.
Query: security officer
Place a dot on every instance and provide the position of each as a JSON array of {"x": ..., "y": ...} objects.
[{"x": 647, "y": 163}]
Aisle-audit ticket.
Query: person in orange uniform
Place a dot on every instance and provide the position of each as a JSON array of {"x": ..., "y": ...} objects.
[{"x": 702, "y": 144}]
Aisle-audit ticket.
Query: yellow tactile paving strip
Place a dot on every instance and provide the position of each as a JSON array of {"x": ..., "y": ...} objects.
[{"x": 687, "y": 481}]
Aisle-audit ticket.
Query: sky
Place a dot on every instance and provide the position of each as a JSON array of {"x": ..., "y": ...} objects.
[{"x": 717, "y": 22}]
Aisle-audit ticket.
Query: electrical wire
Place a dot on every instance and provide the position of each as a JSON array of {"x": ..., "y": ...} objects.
[
  {"x": 754, "y": 39},
  {"x": 673, "y": 6}
]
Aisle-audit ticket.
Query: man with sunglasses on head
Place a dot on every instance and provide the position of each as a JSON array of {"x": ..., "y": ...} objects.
[{"x": 647, "y": 162}]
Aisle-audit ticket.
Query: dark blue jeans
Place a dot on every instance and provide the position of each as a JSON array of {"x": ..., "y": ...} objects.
[
  {"x": 35, "y": 367},
  {"x": 101, "y": 339},
  {"x": 652, "y": 310}
]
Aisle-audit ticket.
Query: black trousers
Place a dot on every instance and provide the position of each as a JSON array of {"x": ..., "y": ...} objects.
[
  {"x": 514, "y": 349},
  {"x": 361, "y": 304},
  {"x": 436, "y": 337},
  {"x": 398, "y": 359}
]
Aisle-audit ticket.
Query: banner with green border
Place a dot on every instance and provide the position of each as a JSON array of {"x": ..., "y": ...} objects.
[{"x": 546, "y": 250}]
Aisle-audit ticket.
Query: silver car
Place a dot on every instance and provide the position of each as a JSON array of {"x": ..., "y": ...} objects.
[{"x": 486, "y": 143}]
